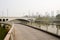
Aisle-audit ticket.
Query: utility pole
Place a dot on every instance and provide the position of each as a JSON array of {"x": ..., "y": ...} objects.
[
  {"x": 7, "y": 13},
  {"x": 28, "y": 13},
  {"x": 2, "y": 13}
]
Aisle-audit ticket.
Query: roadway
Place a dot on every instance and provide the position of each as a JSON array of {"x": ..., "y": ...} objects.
[{"x": 26, "y": 33}]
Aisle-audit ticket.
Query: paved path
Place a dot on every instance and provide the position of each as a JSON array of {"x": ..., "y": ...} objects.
[{"x": 26, "y": 33}]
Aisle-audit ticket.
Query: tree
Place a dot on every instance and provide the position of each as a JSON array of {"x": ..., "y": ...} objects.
[{"x": 58, "y": 22}]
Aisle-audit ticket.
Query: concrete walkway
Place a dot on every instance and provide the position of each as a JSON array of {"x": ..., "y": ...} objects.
[{"x": 26, "y": 33}]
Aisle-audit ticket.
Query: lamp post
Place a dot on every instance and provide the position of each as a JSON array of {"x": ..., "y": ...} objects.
[{"x": 7, "y": 15}]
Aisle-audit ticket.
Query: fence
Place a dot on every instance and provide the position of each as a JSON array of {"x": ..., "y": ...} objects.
[
  {"x": 49, "y": 28},
  {"x": 11, "y": 34}
]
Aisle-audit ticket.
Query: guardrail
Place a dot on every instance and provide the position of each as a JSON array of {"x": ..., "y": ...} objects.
[
  {"x": 50, "y": 28},
  {"x": 11, "y": 34}
]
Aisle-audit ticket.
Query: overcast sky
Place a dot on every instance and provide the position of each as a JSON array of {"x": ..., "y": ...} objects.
[{"x": 23, "y": 7}]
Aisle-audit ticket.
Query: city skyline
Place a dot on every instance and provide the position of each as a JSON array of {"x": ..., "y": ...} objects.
[{"x": 17, "y": 8}]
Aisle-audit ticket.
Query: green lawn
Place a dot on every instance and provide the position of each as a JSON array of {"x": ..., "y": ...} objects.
[{"x": 3, "y": 33}]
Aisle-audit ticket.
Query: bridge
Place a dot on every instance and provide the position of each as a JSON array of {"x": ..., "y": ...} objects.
[
  {"x": 12, "y": 18},
  {"x": 23, "y": 32},
  {"x": 20, "y": 31}
]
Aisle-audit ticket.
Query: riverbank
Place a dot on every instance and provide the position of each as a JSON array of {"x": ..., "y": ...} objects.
[{"x": 3, "y": 33}]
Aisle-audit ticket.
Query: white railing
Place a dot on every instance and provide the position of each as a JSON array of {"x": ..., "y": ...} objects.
[
  {"x": 48, "y": 28},
  {"x": 11, "y": 34}
]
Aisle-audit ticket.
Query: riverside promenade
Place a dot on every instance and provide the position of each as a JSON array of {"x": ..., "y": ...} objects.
[{"x": 23, "y": 32}]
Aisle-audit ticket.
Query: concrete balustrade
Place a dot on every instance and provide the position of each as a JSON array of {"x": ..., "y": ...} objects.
[
  {"x": 49, "y": 28},
  {"x": 11, "y": 34}
]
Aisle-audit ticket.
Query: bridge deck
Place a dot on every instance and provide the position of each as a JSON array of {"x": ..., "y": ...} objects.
[{"x": 26, "y": 33}]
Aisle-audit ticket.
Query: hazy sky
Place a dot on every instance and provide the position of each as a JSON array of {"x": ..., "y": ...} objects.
[{"x": 23, "y": 7}]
